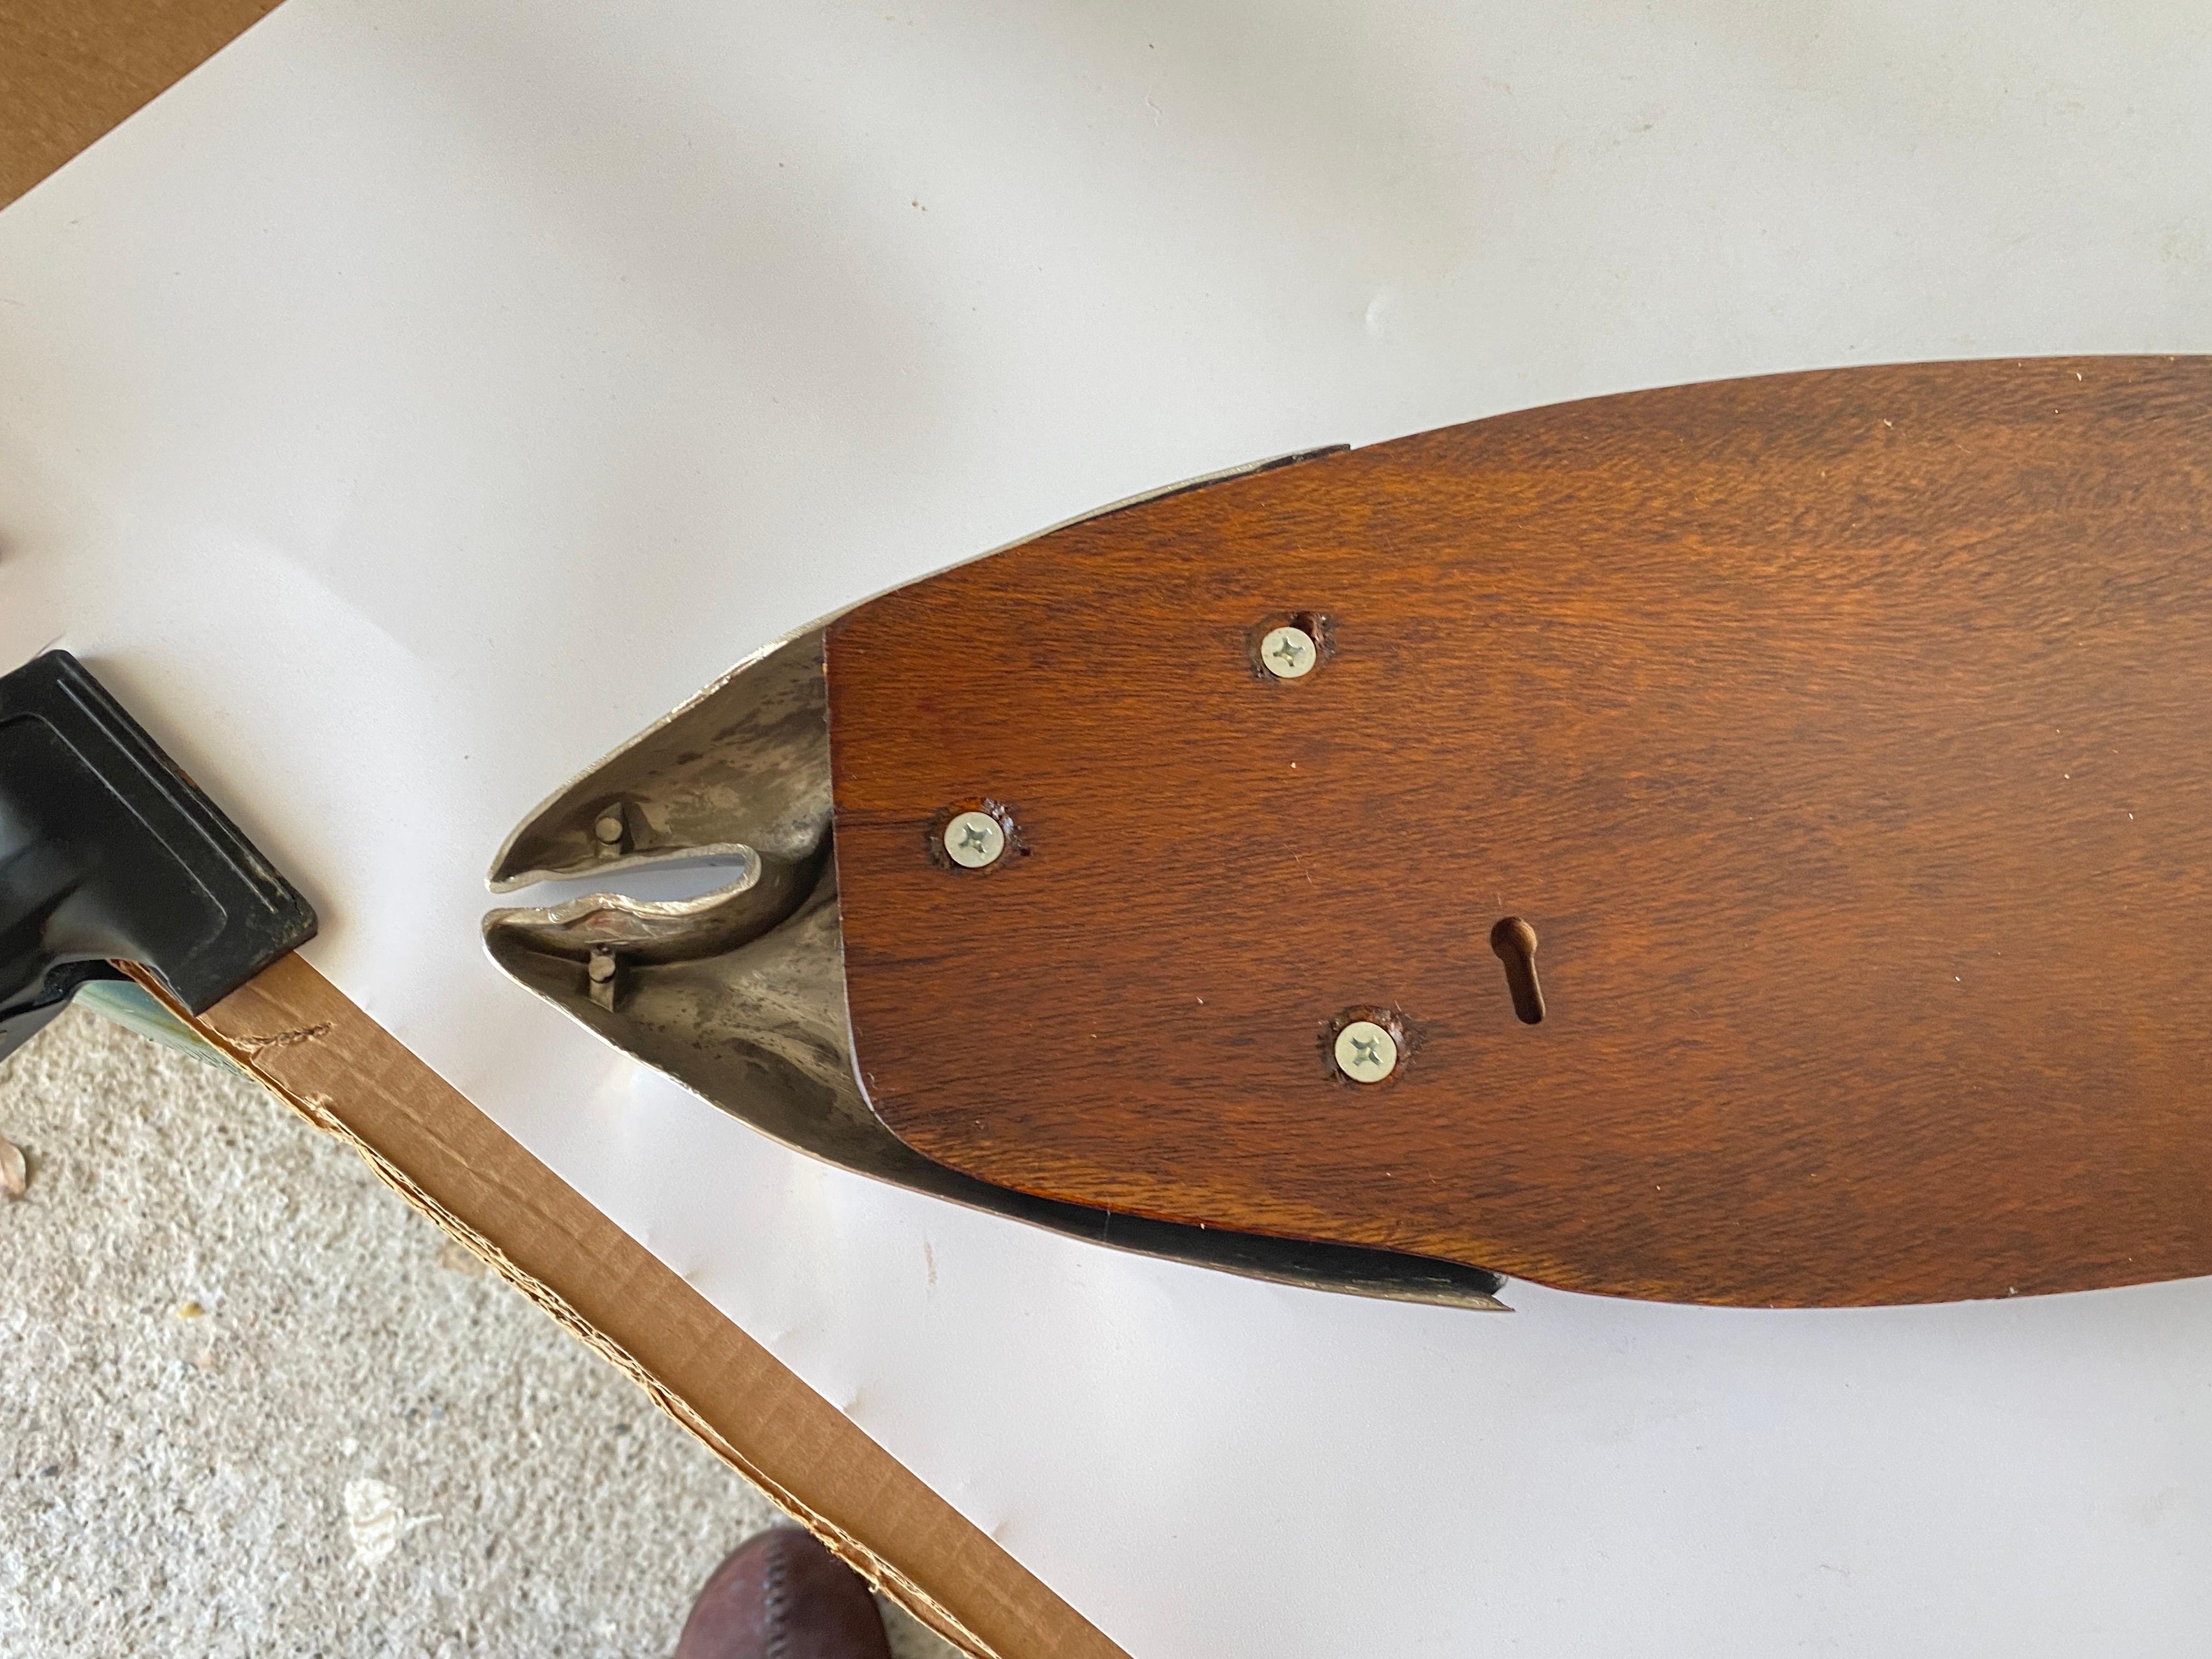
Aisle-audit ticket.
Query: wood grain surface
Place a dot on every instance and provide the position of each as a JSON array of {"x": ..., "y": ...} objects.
[{"x": 1844, "y": 739}]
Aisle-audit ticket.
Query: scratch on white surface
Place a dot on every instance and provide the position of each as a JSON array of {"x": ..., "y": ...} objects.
[{"x": 375, "y": 1522}]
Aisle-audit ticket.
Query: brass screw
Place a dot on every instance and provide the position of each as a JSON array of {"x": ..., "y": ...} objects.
[
  {"x": 1288, "y": 654},
  {"x": 1366, "y": 1052},
  {"x": 972, "y": 840}
]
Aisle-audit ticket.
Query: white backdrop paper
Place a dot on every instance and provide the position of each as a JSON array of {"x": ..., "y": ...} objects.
[{"x": 428, "y": 393}]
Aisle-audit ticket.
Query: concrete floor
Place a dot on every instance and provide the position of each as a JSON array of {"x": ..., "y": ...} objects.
[{"x": 238, "y": 1370}]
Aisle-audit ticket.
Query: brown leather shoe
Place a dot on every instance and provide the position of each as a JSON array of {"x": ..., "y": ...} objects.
[{"x": 781, "y": 1595}]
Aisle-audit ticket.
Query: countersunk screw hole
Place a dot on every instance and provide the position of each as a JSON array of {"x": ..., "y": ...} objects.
[{"x": 1515, "y": 941}]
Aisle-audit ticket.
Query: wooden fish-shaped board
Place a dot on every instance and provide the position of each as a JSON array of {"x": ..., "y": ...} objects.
[{"x": 1771, "y": 819}]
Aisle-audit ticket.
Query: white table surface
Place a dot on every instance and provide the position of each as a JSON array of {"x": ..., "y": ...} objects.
[{"x": 427, "y": 394}]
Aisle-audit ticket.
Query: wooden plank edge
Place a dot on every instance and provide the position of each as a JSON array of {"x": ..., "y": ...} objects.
[{"x": 307, "y": 1044}]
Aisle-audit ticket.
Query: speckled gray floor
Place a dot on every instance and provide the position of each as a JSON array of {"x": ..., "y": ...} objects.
[{"x": 233, "y": 1367}]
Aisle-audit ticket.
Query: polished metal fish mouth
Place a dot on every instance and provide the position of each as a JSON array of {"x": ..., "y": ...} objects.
[{"x": 739, "y": 993}]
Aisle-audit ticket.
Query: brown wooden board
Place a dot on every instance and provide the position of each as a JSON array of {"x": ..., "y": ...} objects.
[{"x": 1845, "y": 738}]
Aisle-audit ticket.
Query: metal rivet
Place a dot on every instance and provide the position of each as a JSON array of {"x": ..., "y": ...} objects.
[
  {"x": 972, "y": 840},
  {"x": 1366, "y": 1052},
  {"x": 1288, "y": 652},
  {"x": 610, "y": 828},
  {"x": 599, "y": 971}
]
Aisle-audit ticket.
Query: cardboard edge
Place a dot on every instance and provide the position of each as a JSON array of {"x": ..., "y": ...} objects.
[
  {"x": 72, "y": 70},
  {"x": 297, "y": 1035}
]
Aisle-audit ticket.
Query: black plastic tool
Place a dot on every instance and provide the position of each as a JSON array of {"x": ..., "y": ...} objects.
[{"x": 109, "y": 853}]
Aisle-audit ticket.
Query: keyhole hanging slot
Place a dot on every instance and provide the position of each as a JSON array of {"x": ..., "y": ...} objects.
[{"x": 1515, "y": 941}]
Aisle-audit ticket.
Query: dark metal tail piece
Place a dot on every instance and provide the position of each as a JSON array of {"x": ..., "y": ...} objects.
[{"x": 109, "y": 853}]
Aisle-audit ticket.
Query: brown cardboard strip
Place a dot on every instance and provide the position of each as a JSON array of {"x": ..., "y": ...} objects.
[
  {"x": 69, "y": 69},
  {"x": 295, "y": 1032}
]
